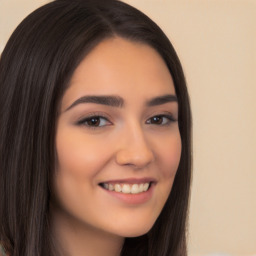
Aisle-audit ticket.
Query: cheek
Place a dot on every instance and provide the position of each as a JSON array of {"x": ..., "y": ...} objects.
[
  {"x": 78, "y": 162},
  {"x": 170, "y": 156},
  {"x": 168, "y": 153},
  {"x": 77, "y": 154}
]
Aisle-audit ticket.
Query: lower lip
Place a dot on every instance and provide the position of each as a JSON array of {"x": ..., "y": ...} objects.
[{"x": 133, "y": 199}]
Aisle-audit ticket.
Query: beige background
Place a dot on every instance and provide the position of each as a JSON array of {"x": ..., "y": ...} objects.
[{"x": 216, "y": 41}]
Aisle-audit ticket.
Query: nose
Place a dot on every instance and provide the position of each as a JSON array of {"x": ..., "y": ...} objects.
[{"x": 134, "y": 150}]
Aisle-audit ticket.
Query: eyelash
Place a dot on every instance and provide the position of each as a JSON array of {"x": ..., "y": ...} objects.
[
  {"x": 98, "y": 117},
  {"x": 170, "y": 119},
  {"x": 85, "y": 121}
]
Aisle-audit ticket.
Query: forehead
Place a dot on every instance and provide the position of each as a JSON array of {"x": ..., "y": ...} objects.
[{"x": 121, "y": 67}]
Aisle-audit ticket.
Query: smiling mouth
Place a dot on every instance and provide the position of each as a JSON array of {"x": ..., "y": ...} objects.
[{"x": 127, "y": 188}]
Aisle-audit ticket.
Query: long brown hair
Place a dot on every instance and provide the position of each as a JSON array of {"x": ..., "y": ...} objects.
[{"x": 35, "y": 69}]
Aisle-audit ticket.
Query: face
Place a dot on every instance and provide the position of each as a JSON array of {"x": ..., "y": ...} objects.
[{"x": 118, "y": 142}]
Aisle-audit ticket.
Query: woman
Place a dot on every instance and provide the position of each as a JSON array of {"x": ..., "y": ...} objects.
[{"x": 95, "y": 154}]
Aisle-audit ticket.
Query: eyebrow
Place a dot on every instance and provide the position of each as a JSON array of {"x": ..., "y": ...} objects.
[
  {"x": 116, "y": 101},
  {"x": 113, "y": 101},
  {"x": 162, "y": 100}
]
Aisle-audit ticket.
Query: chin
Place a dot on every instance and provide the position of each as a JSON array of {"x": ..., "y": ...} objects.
[{"x": 135, "y": 231}]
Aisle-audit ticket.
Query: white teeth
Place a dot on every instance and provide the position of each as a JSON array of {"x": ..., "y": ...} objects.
[
  {"x": 135, "y": 189},
  {"x": 141, "y": 187},
  {"x": 118, "y": 188},
  {"x": 145, "y": 186},
  {"x": 127, "y": 188}
]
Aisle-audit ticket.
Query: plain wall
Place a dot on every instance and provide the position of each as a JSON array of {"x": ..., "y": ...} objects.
[{"x": 216, "y": 42}]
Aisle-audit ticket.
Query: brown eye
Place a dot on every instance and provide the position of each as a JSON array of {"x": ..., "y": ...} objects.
[
  {"x": 157, "y": 120},
  {"x": 94, "y": 122},
  {"x": 161, "y": 120}
]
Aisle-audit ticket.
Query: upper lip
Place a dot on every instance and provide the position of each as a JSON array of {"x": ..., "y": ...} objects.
[{"x": 131, "y": 180}]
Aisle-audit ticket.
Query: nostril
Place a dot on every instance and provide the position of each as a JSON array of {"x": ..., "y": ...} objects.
[{"x": 139, "y": 158}]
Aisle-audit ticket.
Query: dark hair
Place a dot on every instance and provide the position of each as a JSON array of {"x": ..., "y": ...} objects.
[{"x": 35, "y": 68}]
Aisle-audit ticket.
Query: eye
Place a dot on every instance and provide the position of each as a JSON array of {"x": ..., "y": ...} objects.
[
  {"x": 161, "y": 120},
  {"x": 94, "y": 121}
]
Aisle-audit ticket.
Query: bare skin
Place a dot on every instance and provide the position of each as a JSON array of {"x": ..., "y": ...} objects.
[{"x": 117, "y": 126}]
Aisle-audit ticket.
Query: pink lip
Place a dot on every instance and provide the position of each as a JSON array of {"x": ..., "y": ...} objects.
[{"x": 132, "y": 199}]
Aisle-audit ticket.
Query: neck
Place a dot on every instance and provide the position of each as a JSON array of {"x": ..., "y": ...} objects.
[{"x": 75, "y": 238}]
